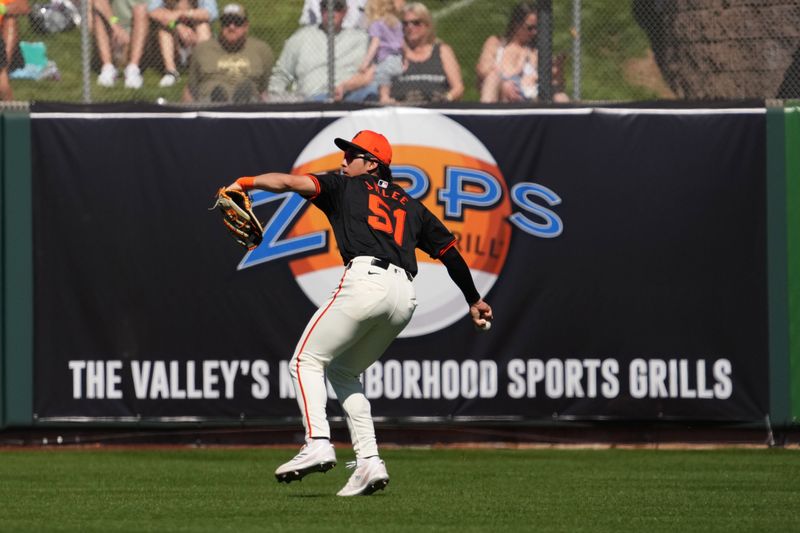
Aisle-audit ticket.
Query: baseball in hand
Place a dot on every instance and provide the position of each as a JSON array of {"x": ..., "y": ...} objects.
[{"x": 486, "y": 326}]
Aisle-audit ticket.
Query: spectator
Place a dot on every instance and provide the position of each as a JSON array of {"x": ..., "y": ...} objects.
[
  {"x": 9, "y": 30},
  {"x": 120, "y": 29},
  {"x": 182, "y": 24},
  {"x": 508, "y": 67},
  {"x": 431, "y": 72},
  {"x": 354, "y": 19},
  {"x": 302, "y": 68},
  {"x": 385, "y": 46},
  {"x": 5, "y": 84},
  {"x": 234, "y": 67}
]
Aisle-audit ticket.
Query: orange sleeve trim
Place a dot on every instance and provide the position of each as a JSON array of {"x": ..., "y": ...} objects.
[
  {"x": 443, "y": 250},
  {"x": 247, "y": 182},
  {"x": 316, "y": 186}
]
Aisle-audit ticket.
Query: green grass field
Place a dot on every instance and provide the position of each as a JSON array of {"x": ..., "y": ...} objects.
[
  {"x": 431, "y": 490},
  {"x": 611, "y": 38}
]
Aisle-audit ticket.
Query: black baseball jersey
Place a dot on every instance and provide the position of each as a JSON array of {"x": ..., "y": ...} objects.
[{"x": 372, "y": 217}]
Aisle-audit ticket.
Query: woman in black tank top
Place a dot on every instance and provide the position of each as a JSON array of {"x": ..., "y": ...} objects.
[{"x": 431, "y": 71}]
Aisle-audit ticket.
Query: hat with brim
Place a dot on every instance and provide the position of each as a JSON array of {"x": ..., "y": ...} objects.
[
  {"x": 234, "y": 10},
  {"x": 369, "y": 142}
]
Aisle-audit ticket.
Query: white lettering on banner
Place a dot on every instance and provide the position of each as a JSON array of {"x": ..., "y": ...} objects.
[
  {"x": 570, "y": 378},
  {"x": 260, "y": 389},
  {"x": 647, "y": 378},
  {"x": 175, "y": 390},
  {"x": 553, "y": 378},
  {"x": 158, "y": 381},
  {"x": 431, "y": 385},
  {"x": 677, "y": 378},
  {"x": 431, "y": 380},
  {"x": 192, "y": 392},
  {"x": 210, "y": 380},
  {"x": 723, "y": 388},
  {"x": 172, "y": 380},
  {"x": 96, "y": 380}
]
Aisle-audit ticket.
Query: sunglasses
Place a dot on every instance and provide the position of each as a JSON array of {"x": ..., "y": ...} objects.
[
  {"x": 352, "y": 155},
  {"x": 337, "y": 7},
  {"x": 235, "y": 21},
  {"x": 415, "y": 22},
  {"x": 530, "y": 27}
]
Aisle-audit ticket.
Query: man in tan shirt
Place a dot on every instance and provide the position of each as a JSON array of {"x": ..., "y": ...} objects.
[{"x": 233, "y": 68}]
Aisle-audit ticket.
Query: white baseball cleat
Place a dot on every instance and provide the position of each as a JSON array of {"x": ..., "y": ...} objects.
[
  {"x": 315, "y": 456},
  {"x": 370, "y": 476}
]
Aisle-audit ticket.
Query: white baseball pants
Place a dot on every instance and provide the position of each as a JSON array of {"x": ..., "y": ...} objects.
[{"x": 348, "y": 333}]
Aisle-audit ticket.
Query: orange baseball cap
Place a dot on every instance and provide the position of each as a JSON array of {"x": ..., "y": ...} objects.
[{"x": 370, "y": 142}]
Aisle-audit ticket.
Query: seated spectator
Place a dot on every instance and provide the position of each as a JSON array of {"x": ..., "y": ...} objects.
[
  {"x": 233, "y": 68},
  {"x": 302, "y": 68},
  {"x": 120, "y": 29},
  {"x": 10, "y": 10},
  {"x": 182, "y": 24},
  {"x": 5, "y": 84},
  {"x": 10, "y": 56},
  {"x": 431, "y": 72},
  {"x": 355, "y": 17},
  {"x": 508, "y": 66},
  {"x": 385, "y": 46}
]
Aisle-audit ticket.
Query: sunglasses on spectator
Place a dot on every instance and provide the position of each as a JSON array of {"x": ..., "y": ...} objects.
[
  {"x": 415, "y": 22},
  {"x": 530, "y": 27},
  {"x": 236, "y": 21},
  {"x": 336, "y": 7}
]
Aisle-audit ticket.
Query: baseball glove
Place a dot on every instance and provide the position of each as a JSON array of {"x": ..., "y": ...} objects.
[{"x": 238, "y": 217}]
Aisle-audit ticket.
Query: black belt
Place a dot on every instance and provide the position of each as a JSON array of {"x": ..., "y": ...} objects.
[{"x": 384, "y": 264}]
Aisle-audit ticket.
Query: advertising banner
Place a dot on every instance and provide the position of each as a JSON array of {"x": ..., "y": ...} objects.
[{"x": 623, "y": 252}]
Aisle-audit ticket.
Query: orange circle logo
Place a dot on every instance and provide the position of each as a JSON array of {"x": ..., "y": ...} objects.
[{"x": 444, "y": 166}]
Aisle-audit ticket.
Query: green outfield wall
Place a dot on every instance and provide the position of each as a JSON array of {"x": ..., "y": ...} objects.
[
  {"x": 16, "y": 271},
  {"x": 783, "y": 222},
  {"x": 792, "y": 173}
]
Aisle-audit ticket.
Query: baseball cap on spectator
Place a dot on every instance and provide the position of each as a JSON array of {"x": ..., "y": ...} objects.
[
  {"x": 233, "y": 12},
  {"x": 371, "y": 142},
  {"x": 338, "y": 5}
]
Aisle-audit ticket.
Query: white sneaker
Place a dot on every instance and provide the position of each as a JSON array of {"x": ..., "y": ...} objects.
[
  {"x": 107, "y": 75},
  {"x": 370, "y": 476},
  {"x": 169, "y": 79},
  {"x": 133, "y": 77},
  {"x": 316, "y": 456}
]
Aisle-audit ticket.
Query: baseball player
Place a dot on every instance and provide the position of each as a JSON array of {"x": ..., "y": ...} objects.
[{"x": 377, "y": 227}]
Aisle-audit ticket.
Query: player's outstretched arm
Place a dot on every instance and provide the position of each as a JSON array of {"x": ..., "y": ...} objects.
[
  {"x": 276, "y": 182},
  {"x": 457, "y": 269}
]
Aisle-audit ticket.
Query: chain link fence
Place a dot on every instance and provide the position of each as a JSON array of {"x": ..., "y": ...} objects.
[{"x": 586, "y": 50}]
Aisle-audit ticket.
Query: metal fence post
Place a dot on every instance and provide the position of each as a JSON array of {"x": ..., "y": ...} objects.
[
  {"x": 576, "y": 50},
  {"x": 85, "y": 52},
  {"x": 331, "y": 51},
  {"x": 545, "y": 44}
]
